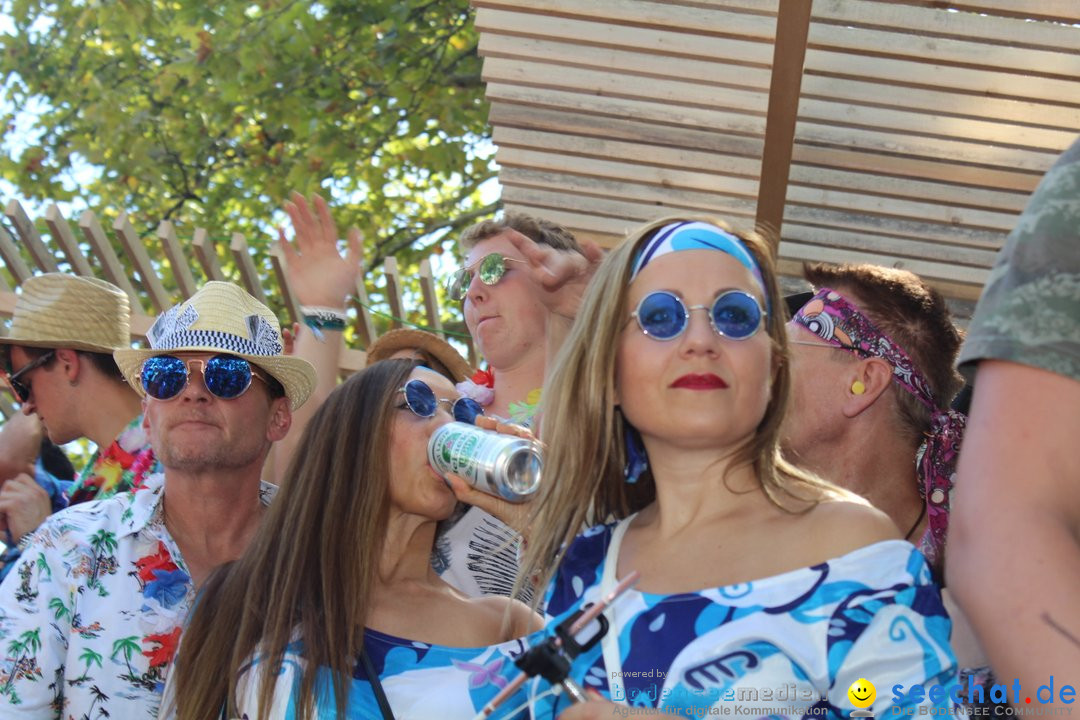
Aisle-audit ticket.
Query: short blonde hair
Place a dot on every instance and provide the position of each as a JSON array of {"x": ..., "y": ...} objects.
[{"x": 543, "y": 232}]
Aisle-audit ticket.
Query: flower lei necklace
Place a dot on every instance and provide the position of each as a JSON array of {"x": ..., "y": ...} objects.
[{"x": 481, "y": 388}]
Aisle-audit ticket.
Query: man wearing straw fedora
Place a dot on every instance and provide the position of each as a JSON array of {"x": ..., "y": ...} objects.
[
  {"x": 58, "y": 363},
  {"x": 91, "y": 615}
]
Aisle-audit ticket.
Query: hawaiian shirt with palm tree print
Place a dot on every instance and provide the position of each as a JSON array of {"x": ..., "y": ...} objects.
[{"x": 91, "y": 615}]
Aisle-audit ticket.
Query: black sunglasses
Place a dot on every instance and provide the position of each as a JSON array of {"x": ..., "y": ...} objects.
[{"x": 18, "y": 386}]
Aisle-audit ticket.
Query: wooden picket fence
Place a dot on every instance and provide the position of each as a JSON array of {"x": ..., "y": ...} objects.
[{"x": 139, "y": 278}]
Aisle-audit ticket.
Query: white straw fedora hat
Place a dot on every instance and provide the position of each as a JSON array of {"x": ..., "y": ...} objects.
[
  {"x": 55, "y": 310},
  {"x": 222, "y": 318}
]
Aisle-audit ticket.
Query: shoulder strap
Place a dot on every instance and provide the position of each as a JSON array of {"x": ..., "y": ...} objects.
[
  {"x": 376, "y": 685},
  {"x": 610, "y": 642}
]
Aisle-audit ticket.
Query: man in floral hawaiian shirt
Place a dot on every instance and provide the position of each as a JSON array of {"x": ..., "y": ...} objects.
[
  {"x": 59, "y": 365},
  {"x": 91, "y": 615}
]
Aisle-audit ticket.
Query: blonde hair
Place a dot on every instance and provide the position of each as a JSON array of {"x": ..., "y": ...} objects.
[{"x": 584, "y": 430}]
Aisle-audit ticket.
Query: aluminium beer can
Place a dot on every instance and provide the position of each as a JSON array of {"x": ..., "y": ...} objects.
[{"x": 506, "y": 466}]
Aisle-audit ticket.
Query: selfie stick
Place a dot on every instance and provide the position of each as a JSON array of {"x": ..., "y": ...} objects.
[{"x": 551, "y": 659}]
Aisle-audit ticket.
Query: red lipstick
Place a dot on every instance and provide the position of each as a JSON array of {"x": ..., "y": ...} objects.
[{"x": 707, "y": 381}]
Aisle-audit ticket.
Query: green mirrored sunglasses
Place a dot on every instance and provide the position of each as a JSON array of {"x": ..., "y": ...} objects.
[{"x": 491, "y": 268}]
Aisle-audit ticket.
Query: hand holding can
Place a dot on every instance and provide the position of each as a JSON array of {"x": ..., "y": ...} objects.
[{"x": 502, "y": 465}]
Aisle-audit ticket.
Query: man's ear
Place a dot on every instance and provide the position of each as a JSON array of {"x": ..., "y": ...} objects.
[
  {"x": 868, "y": 381},
  {"x": 280, "y": 419},
  {"x": 70, "y": 363}
]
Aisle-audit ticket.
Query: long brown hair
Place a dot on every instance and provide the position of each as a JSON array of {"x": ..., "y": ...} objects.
[
  {"x": 584, "y": 430},
  {"x": 312, "y": 566}
]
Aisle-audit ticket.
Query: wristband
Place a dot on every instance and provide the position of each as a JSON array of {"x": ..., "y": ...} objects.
[{"x": 322, "y": 318}]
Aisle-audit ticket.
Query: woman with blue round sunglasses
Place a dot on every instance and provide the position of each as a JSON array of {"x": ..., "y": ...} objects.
[
  {"x": 335, "y": 610},
  {"x": 662, "y": 428}
]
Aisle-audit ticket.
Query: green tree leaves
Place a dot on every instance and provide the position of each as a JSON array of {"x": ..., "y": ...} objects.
[{"x": 207, "y": 114}]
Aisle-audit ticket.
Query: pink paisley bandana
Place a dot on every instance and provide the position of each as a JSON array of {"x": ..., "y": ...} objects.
[{"x": 836, "y": 321}]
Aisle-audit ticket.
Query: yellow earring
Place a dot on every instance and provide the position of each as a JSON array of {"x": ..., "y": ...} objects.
[{"x": 858, "y": 387}]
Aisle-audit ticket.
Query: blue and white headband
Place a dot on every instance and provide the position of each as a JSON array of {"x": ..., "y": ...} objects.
[{"x": 696, "y": 236}]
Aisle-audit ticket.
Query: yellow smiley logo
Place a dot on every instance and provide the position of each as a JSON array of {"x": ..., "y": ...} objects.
[{"x": 862, "y": 693}]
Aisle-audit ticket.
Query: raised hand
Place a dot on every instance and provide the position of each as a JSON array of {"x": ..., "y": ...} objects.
[
  {"x": 562, "y": 274},
  {"x": 515, "y": 515},
  {"x": 316, "y": 271}
]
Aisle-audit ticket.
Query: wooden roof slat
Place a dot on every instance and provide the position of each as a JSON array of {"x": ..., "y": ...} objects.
[
  {"x": 691, "y": 175},
  {"x": 962, "y": 79},
  {"x": 507, "y": 117},
  {"x": 181, "y": 271},
  {"x": 676, "y": 198},
  {"x": 9, "y": 252},
  {"x": 942, "y": 51},
  {"x": 393, "y": 291},
  {"x": 946, "y": 271},
  {"x": 148, "y": 276},
  {"x": 632, "y": 212},
  {"x": 110, "y": 263},
  {"x": 277, "y": 264},
  {"x": 940, "y": 101},
  {"x": 901, "y": 207},
  {"x": 1063, "y": 11},
  {"x": 961, "y": 151},
  {"x": 941, "y": 169},
  {"x": 635, "y": 60},
  {"x": 206, "y": 254},
  {"x": 926, "y": 21},
  {"x": 909, "y": 227},
  {"x": 30, "y": 238},
  {"x": 682, "y": 158},
  {"x": 612, "y": 84},
  {"x": 597, "y": 37},
  {"x": 841, "y": 114},
  {"x": 241, "y": 254},
  {"x": 694, "y": 117},
  {"x": 904, "y": 188},
  {"x": 62, "y": 235},
  {"x": 725, "y": 19},
  {"x": 430, "y": 296},
  {"x": 886, "y": 244}
]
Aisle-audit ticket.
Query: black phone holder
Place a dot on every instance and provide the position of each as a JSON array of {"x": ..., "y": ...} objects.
[{"x": 551, "y": 659}]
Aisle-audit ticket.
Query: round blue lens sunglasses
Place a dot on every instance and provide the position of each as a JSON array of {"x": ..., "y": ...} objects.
[
  {"x": 420, "y": 398},
  {"x": 225, "y": 376},
  {"x": 734, "y": 314}
]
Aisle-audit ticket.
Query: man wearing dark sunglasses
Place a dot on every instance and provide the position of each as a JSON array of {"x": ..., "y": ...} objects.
[
  {"x": 58, "y": 365},
  {"x": 116, "y": 578}
]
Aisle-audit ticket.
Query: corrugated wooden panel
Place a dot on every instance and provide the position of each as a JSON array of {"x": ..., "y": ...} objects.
[{"x": 921, "y": 131}]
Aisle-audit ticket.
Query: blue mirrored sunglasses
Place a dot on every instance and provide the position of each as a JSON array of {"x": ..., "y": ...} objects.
[
  {"x": 420, "y": 398},
  {"x": 734, "y": 314},
  {"x": 225, "y": 376}
]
